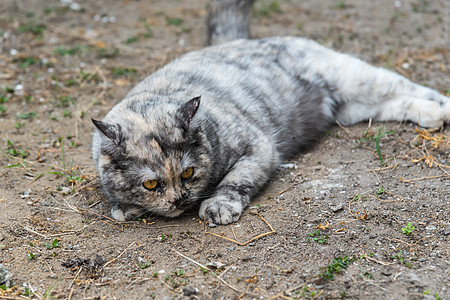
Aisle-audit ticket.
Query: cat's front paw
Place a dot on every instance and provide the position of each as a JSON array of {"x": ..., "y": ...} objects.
[
  {"x": 220, "y": 212},
  {"x": 126, "y": 213},
  {"x": 118, "y": 214}
]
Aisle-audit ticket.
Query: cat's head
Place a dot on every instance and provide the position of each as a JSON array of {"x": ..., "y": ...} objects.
[{"x": 155, "y": 160}]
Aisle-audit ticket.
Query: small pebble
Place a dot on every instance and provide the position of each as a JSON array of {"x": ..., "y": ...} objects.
[
  {"x": 430, "y": 228},
  {"x": 336, "y": 208},
  {"x": 5, "y": 276},
  {"x": 447, "y": 230},
  {"x": 25, "y": 194},
  {"x": 188, "y": 290}
]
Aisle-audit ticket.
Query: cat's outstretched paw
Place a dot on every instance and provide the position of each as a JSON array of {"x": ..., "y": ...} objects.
[
  {"x": 427, "y": 113},
  {"x": 430, "y": 116},
  {"x": 220, "y": 212}
]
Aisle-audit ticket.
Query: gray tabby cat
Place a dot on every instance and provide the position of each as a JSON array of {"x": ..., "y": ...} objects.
[{"x": 211, "y": 127}]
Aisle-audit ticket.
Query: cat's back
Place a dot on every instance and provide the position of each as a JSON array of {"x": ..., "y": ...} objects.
[{"x": 245, "y": 82}]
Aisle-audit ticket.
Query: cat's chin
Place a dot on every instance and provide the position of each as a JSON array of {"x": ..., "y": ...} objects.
[{"x": 172, "y": 214}]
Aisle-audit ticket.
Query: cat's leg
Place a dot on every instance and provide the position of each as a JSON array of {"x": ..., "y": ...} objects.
[
  {"x": 243, "y": 181},
  {"x": 391, "y": 97},
  {"x": 356, "y": 91}
]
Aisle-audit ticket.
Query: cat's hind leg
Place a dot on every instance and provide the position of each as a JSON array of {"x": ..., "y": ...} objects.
[
  {"x": 393, "y": 98},
  {"x": 356, "y": 91},
  {"x": 424, "y": 112}
]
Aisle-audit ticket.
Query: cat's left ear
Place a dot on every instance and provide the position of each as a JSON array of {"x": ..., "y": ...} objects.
[{"x": 187, "y": 111}]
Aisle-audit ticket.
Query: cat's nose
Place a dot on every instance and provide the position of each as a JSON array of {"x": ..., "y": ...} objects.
[{"x": 179, "y": 202}]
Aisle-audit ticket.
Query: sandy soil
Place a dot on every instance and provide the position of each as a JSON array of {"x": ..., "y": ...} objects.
[{"x": 338, "y": 217}]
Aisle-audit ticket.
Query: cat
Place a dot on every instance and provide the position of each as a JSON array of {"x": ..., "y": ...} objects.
[{"x": 211, "y": 127}]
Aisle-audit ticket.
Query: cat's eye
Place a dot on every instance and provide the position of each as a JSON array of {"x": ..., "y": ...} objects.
[
  {"x": 187, "y": 173},
  {"x": 150, "y": 184}
]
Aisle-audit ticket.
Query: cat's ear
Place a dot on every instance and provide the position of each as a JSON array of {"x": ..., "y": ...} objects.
[
  {"x": 113, "y": 132},
  {"x": 187, "y": 111}
]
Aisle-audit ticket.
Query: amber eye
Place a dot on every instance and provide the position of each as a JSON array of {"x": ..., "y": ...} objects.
[
  {"x": 187, "y": 173},
  {"x": 150, "y": 184}
]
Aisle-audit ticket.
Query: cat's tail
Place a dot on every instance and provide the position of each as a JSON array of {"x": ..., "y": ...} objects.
[{"x": 228, "y": 20}]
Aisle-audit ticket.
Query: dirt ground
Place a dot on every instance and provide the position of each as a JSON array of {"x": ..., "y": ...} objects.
[{"x": 336, "y": 218}]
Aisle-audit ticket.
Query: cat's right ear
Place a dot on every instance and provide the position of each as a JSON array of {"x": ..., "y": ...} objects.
[
  {"x": 187, "y": 112},
  {"x": 113, "y": 132}
]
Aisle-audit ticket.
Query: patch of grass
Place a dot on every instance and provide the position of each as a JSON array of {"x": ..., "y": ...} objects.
[
  {"x": 9, "y": 90},
  {"x": 16, "y": 151},
  {"x": 358, "y": 197},
  {"x": 317, "y": 237},
  {"x": 27, "y": 116},
  {"x": 31, "y": 256},
  {"x": 2, "y": 109},
  {"x": 19, "y": 125},
  {"x": 370, "y": 254},
  {"x": 408, "y": 229},
  {"x": 3, "y": 98},
  {"x": 71, "y": 82},
  {"x": 335, "y": 267},
  {"x": 163, "y": 237},
  {"x": 148, "y": 29},
  {"x": 174, "y": 21},
  {"x": 27, "y": 292},
  {"x": 176, "y": 279},
  {"x": 31, "y": 27},
  {"x": 145, "y": 265},
  {"x": 379, "y": 133},
  {"x": 25, "y": 62},
  {"x": 131, "y": 40},
  {"x": 70, "y": 174},
  {"x": 401, "y": 259},
  {"x": 67, "y": 113},
  {"x": 342, "y": 5},
  {"x": 52, "y": 245},
  {"x": 64, "y": 101},
  {"x": 67, "y": 51},
  {"x": 125, "y": 72},
  {"x": 307, "y": 292},
  {"x": 266, "y": 10},
  {"x": 88, "y": 77},
  {"x": 107, "y": 53}
]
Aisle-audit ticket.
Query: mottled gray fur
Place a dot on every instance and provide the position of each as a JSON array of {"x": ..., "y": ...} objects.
[
  {"x": 233, "y": 113},
  {"x": 228, "y": 20}
]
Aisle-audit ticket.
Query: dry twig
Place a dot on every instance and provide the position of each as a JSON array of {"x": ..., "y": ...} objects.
[
  {"x": 206, "y": 268},
  {"x": 113, "y": 260},
  {"x": 250, "y": 240}
]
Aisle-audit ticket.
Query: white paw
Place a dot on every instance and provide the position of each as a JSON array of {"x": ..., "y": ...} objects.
[
  {"x": 118, "y": 214},
  {"x": 220, "y": 212},
  {"x": 446, "y": 108},
  {"x": 431, "y": 115}
]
